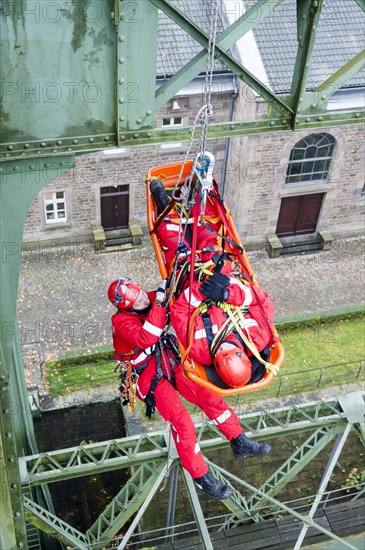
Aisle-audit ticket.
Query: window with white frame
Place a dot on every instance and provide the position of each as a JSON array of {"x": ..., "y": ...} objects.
[
  {"x": 310, "y": 159},
  {"x": 172, "y": 121},
  {"x": 55, "y": 207}
]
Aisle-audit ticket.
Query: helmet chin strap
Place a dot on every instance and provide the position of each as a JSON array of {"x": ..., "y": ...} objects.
[{"x": 144, "y": 310}]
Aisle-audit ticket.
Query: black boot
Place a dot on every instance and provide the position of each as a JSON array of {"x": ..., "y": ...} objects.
[
  {"x": 242, "y": 446},
  {"x": 159, "y": 195},
  {"x": 213, "y": 487}
]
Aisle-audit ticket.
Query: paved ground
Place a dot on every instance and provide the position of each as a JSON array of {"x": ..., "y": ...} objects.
[{"x": 63, "y": 302}]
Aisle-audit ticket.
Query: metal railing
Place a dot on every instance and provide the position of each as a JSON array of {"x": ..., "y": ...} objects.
[{"x": 71, "y": 378}]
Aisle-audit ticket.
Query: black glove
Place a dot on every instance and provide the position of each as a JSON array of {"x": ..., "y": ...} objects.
[{"x": 216, "y": 287}]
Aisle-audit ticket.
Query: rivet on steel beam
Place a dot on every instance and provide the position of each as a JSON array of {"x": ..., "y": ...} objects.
[
  {"x": 121, "y": 81},
  {"x": 6, "y": 411},
  {"x": 69, "y": 148},
  {"x": 31, "y": 167},
  {"x": 121, "y": 38},
  {"x": 26, "y": 145},
  {"x": 59, "y": 142},
  {"x": 17, "y": 514},
  {"x": 121, "y": 60},
  {"x": 20, "y": 545},
  {"x": 10, "y": 147},
  {"x": 320, "y": 118},
  {"x": 149, "y": 112},
  {"x": 2, "y": 377},
  {"x": 149, "y": 134},
  {"x": 307, "y": 119},
  {"x": 272, "y": 123},
  {"x": 122, "y": 100},
  {"x": 357, "y": 115},
  {"x": 314, "y": 105},
  {"x": 54, "y": 150},
  {"x": 9, "y": 435},
  {"x": 14, "y": 485},
  {"x": 136, "y": 136},
  {"x": 75, "y": 141},
  {"x": 11, "y": 459},
  {"x": 91, "y": 140},
  {"x": 106, "y": 138},
  {"x": 284, "y": 122},
  {"x": 324, "y": 98},
  {"x": 122, "y": 136},
  {"x": 122, "y": 118},
  {"x": 232, "y": 126},
  {"x": 43, "y": 144},
  {"x": 16, "y": 168},
  {"x": 139, "y": 121},
  {"x": 47, "y": 165}
]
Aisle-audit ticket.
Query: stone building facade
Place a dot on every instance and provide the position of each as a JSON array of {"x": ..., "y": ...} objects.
[{"x": 82, "y": 188}]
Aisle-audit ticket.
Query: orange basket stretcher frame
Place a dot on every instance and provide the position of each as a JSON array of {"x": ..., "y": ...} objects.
[{"x": 168, "y": 175}]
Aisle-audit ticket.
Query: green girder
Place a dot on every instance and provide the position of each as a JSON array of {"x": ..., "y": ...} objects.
[{"x": 48, "y": 467}]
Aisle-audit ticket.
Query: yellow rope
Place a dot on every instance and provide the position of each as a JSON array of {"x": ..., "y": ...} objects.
[{"x": 237, "y": 324}]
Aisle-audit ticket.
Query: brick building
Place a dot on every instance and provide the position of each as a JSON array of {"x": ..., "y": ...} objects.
[{"x": 289, "y": 185}]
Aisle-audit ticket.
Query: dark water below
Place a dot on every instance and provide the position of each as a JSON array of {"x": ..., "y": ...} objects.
[{"x": 79, "y": 501}]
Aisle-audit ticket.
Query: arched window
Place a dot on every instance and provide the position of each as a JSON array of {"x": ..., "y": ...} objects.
[{"x": 310, "y": 158}]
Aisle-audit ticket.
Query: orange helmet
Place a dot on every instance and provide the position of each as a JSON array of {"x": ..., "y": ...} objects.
[
  {"x": 123, "y": 293},
  {"x": 233, "y": 366}
]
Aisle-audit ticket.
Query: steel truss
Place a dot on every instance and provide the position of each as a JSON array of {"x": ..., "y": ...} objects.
[
  {"x": 149, "y": 456},
  {"x": 31, "y": 158}
]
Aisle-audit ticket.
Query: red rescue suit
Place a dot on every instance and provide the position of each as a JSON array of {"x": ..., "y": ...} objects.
[
  {"x": 259, "y": 318},
  {"x": 168, "y": 231},
  {"x": 133, "y": 330}
]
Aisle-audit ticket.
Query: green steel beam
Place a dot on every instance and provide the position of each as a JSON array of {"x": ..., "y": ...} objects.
[
  {"x": 335, "y": 455},
  {"x": 198, "y": 512},
  {"x": 287, "y": 472},
  {"x": 54, "y": 526},
  {"x": 322, "y": 92},
  {"x": 216, "y": 130},
  {"x": 224, "y": 41},
  {"x": 361, "y": 3},
  {"x": 306, "y": 520},
  {"x": 232, "y": 64},
  {"x": 136, "y": 65},
  {"x": 144, "y": 503},
  {"x": 308, "y": 12},
  {"x": 89, "y": 459},
  {"x": 138, "y": 490}
]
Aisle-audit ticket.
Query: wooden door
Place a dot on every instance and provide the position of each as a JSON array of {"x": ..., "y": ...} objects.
[
  {"x": 114, "y": 207},
  {"x": 299, "y": 215}
]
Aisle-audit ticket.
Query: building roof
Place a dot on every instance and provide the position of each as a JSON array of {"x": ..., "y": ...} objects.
[
  {"x": 340, "y": 36},
  {"x": 175, "y": 47}
]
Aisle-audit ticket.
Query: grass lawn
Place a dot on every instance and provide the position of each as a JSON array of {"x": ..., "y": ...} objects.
[
  {"x": 339, "y": 341},
  {"x": 306, "y": 347}
]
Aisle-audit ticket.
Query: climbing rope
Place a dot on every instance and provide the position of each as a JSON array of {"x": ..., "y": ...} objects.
[
  {"x": 206, "y": 111},
  {"x": 202, "y": 117}
]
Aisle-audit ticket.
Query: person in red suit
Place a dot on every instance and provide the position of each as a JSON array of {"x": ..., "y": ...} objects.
[
  {"x": 236, "y": 361},
  {"x": 138, "y": 337}
]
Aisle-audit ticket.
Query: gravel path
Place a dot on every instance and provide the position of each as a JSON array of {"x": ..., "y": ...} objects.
[{"x": 62, "y": 297}]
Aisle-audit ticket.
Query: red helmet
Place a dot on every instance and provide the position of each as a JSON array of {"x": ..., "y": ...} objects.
[
  {"x": 123, "y": 293},
  {"x": 233, "y": 366}
]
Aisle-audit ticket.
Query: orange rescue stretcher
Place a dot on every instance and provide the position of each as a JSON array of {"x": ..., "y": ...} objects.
[{"x": 168, "y": 174}]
